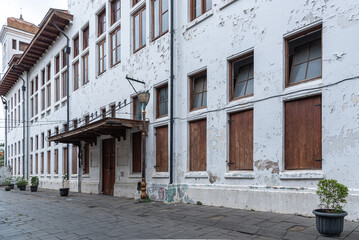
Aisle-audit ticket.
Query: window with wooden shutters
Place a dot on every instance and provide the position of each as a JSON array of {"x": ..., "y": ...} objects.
[
  {"x": 136, "y": 152},
  {"x": 139, "y": 29},
  {"x": 303, "y": 134},
  {"x": 199, "y": 7},
  {"x": 101, "y": 22},
  {"x": 74, "y": 159},
  {"x": 198, "y": 89},
  {"x": 87, "y": 158},
  {"x": 64, "y": 160},
  {"x": 56, "y": 161},
  {"x": 115, "y": 11},
  {"x": 198, "y": 145},
  {"x": 304, "y": 56},
  {"x": 241, "y": 141},
  {"x": 159, "y": 18},
  {"x": 162, "y": 101},
  {"x": 48, "y": 162},
  {"x": 162, "y": 149},
  {"x": 241, "y": 77}
]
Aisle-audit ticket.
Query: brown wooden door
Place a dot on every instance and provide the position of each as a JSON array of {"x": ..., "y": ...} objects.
[
  {"x": 108, "y": 166},
  {"x": 303, "y": 134},
  {"x": 241, "y": 141},
  {"x": 198, "y": 145},
  {"x": 162, "y": 149},
  {"x": 136, "y": 152}
]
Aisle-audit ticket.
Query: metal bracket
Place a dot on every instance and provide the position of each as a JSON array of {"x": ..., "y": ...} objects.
[{"x": 319, "y": 160}]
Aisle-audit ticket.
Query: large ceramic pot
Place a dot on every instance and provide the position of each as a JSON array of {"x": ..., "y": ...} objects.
[
  {"x": 22, "y": 187},
  {"x": 64, "y": 192},
  {"x": 33, "y": 188},
  {"x": 329, "y": 224}
]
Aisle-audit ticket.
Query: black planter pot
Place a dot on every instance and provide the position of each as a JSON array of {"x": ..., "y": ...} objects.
[
  {"x": 329, "y": 224},
  {"x": 64, "y": 192},
  {"x": 11, "y": 186},
  {"x": 33, "y": 188},
  {"x": 22, "y": 187},
  {"x": 7, "y": 188},
  {"x": 18, "y": 186}
]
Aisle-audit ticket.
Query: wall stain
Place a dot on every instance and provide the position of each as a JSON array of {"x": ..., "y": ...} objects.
[{"x": 267, "y": 164}]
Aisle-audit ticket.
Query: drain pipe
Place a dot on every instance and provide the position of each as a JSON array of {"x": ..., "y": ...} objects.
[
  {"x": 171, "y": 92},
  {"x": 67, "y": 51},
  {"x": 4, "y": 102}
]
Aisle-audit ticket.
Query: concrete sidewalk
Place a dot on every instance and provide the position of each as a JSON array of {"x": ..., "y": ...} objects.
[{"x": 45, "y": 215}]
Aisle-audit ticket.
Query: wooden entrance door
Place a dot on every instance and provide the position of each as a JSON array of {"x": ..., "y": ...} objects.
[{"x": 108, "y": 166}]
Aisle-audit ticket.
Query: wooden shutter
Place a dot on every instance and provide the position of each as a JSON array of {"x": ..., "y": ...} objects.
[
  {"x": 303, "y": 134},
  {"x": 56, "y": 167},
  {"x": 64, "y": 157},
  {"x": 74, "y": 159},
  {"x": 241, "y": 141},
  {"x": 136, "y": 152},
  {"x": 48, "y": 162},
  {"x": 198, "y": 145},
  {"x": 162, "y": 149},
  {"x": 87, "y": 159}
]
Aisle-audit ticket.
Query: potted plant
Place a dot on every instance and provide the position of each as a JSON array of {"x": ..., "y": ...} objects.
[
  {"x": 64, "y": 191},
  {"x": 330, "y": 217},
  {"x": 34, "y": 184},
  {"x": 9, "y": 182},
  {"x": 18, "y": 179},
  {"x": 21, "y": 183}
]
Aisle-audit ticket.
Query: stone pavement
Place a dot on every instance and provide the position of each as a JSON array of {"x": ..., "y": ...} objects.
[{"x": 45, "y": 215}]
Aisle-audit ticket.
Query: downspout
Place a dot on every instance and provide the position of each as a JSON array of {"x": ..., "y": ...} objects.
[
  {"x": 5, "y": 150},
  {"x": 67, "y": 50},
  {"x": 171, "y": 93},
  {"x": 79, "y": 169},
  {"x": 27, "y": 126}
]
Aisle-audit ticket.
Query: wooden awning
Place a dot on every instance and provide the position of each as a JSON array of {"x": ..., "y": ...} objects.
[
  {"x": 43, "y": 39},
  {"x": 115, "y": 127}
]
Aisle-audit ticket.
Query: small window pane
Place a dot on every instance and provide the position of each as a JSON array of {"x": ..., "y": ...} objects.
[
  {"x": 239, "y": 91},
  {"x": 118, "y": 37},
  {"x": 197, "y": 8},
  {"x": 249, "y": 90},
  {"x": 204, "y": 100},
  {"x": 314, "y": 68},
  {"x": 298, "y": 73},
  {"x": 301, "y": 54},
  {"x": 137, "y": 31},
  {"x": 156, "y": 13},
  {"x": 164, "y": 5},
  {"x": 208, "y": 5},
  {"x": 198, "y": 85},
  {"x": 144, "y": 27},
  {"x": 316, "y": 50},
  {"x": 243, "y": 73},
  {"x": 165, "y": 22},
  {"x": 197, "y": 100}
]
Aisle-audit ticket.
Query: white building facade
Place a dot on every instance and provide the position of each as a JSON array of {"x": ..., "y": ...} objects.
[{"x": 265, "y": 101}]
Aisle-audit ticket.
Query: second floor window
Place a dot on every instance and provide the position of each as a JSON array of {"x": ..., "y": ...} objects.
[
  {"x": 139, "y": 29},
  {"x": 159, "y": 17},
  {"x": 85, "y": 38},
  {"x": 115, "y": 11},
  {"x": 57, "y": 89},
  {"x": 198, "y": 91},
  {"x": 57, "y": 64},
  {"x": 162, "y": 101},
  {"x": 241, "y": 77},
  {"x": 64, "y": 84},
  {"x": 76, "y": 46},
  {"x": 85, "y": 74},
  {"x": 199, "y": 7},
  {"x": 76, "y": 75},
  {"x": 116, "y": 47},
  {"x": 102, "y": 56},
  {"x": 48, "y": 90},
  {"x": 101, "y": 22}
]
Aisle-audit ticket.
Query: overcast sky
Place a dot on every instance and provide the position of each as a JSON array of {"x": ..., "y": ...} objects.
[{"x": 32, "y": 11}]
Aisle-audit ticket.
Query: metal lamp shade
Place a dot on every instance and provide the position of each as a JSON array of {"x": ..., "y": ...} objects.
[{"x": 144, "y": 98}]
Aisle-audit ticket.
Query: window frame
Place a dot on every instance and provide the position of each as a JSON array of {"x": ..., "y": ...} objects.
[
  {"x": 304, "y": 33},
  {"x": 160, "y": 14},
  {"x": 134, "y": 101},
  {"x": 231, "y": 77},
  {"x": 192, "y": 9},
  {"x": 76, "y": 43},
  {"x": 85, "y": 69},
  {"x": 158, "y": 102},
  {"x": 102, "y": 60},
  {"x": 140, "y": 43},
  {"x": 14, "y": 44},
  {"x": 113, "y": 63},
  {"x": 85, "y": 37},
  {"x": 191, "y": 81},
  {"x": 76, "y": 77},
  {"x": 114, "y": 11},
  {"x": 101, "y": 16}
]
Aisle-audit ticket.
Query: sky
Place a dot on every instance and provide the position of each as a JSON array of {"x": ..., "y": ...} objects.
[{"x": 32, "y": 11}]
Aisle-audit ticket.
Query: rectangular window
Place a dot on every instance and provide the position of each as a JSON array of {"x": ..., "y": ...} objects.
[
  {"x": 57, "y": 63},
  {"x": 48, "y": 93},
  {"x": 42, "y": 163},
  {"x": 303, "y": 134},
  {"x": 31, "y": 165},
  {"x": 42, "y": 140},
  {"x": 56, "y": 163},
  {"x": 43, "y": 99},
  {"x": 36, "y": 104},
  {"x": 63, "y": 58},
  {"x": 74, "y": 159},
  {"x": 137, "y": 113},
  {"x": 32, "y": 144},
  {"x": 32, "y": 87},
  {"x": 64, "y": 161},
  {"x": 36, "y": 163},
  {"x": 49, "y": 72},
  {"x": 22, "y": 46},
  {"x": 57, "y": 89},
  {"x": 14, "y": 44},
  {"x": 304, "y": 56},
  {"x": 87, "y": 158},
  {"x": 162, "y": 149},
  {"x": 162, "y": 101},
  {"x": 241, "y": 77},
  {"x": 48, "y": 136},
  {"x": 159, "y": 18},
  {"x": 36, "y": 83},
  {"x": 64, "y": 84},
  {"x": 139, "y": 29},
  {"x": 198, "y": 89},
  {"x": 116, "y": 47},
  {"x": 85, "y": 37},
  {"x": 102, "y": 57},
  {"x": 101, "y": 22},
  {"x": 199, "y": 7},
  {"x": 37, "y": 142},
  {"x": 136, "y": 152},
  {"x": 76, "y": 75},
  {"x": 115, "y": 11},
  {"x": 76, "y": 46},
  {"x": 198, "y": 145},
  {"x": 241, "y": 141},
  {"x": 85, "y": 74},
  {"x": 43, "y": 77},
  {"x": 48, "y": 162}
]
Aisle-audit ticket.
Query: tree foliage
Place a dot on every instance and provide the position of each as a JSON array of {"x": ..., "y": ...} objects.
[{"x": 332, "y": 195}]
